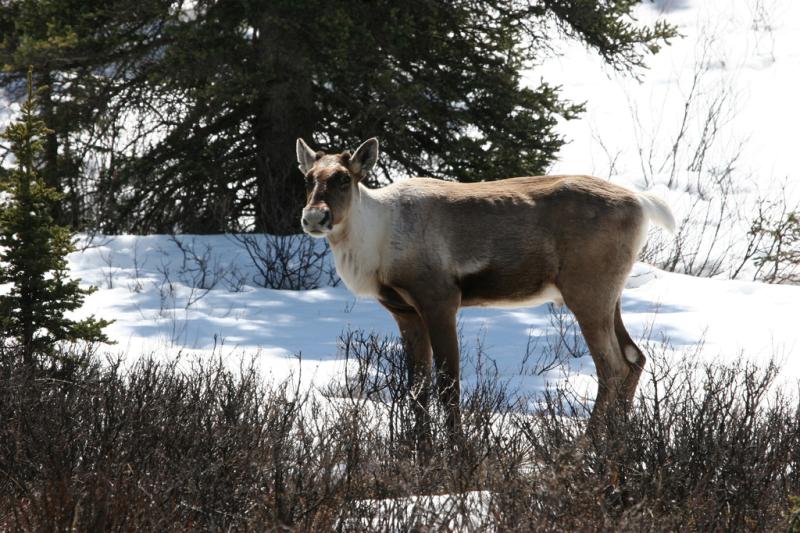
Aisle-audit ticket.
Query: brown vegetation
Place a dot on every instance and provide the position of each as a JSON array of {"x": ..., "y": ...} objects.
[{"x": 88, "y": 446}]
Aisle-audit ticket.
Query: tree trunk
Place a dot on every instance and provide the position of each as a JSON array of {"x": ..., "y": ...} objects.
[
  {"x": 284, "y": 112},
  {"x": 27, "y": 332},
  {"x": 50, "y": 172}
]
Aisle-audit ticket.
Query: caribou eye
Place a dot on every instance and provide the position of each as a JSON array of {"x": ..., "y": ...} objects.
[
  {"x": 343, "y": 180},
  {"x": 309, "y": 182}
]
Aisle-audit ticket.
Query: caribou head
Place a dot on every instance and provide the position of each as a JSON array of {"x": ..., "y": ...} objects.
[{"x": 331, "y": 182}]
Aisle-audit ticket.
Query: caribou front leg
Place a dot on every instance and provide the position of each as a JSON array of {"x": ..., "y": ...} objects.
[
  {"x": 440, "y": 318},
  {"x": 417, "y": 345}
]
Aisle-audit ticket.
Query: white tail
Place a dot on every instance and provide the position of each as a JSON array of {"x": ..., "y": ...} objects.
[{"x": 657, "y": 210}]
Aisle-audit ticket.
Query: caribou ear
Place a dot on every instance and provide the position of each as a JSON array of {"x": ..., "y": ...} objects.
[
  {"x": 365, "y": 158},
  {"x": 305, "y": 156}
]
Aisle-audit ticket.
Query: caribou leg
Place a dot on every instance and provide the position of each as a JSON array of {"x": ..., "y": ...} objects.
[
  {"x": 418, "y": 349},
  {"x": 440, "y": 318},
  {"x": 596, "y": 320},
  {"x": 633, "y": 356}
]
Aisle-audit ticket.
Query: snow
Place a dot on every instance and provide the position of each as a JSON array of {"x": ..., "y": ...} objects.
[
  {"x": 734, "y": 45},
  {"x": 277, "y": 326}
]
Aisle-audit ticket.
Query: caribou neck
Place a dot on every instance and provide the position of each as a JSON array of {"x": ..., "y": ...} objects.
[{"x": 358, "y": 243}]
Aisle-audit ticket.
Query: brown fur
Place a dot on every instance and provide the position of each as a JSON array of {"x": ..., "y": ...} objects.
[{"x": 447, "y": 245}]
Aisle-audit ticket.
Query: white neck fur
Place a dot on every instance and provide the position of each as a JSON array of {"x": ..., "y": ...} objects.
[{"x": 358, "y": 246}]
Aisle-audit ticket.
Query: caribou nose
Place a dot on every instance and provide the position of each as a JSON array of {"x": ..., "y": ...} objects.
[{"x": 316, "y": 219}]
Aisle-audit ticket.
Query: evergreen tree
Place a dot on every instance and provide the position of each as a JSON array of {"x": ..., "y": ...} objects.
[
  {"x": 33, "y": 251},
  {"x": 188, "y": 112},
  {"x": 86, "y": 55}
]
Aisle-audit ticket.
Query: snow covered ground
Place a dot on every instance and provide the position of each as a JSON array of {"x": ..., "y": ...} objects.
[
  {"x": 145, "y": 285},
  {"x": 745, "y": 51}
]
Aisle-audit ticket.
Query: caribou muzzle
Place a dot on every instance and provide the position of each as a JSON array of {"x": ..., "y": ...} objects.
[{"x": 317, "y": 220}]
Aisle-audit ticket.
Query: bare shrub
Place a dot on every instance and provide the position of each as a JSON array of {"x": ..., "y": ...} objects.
[
  {"x": 180, "y": 445},
  {"x": 689, "y": 157},
  {"x": 553, "y": 347},
  {"x": 763, "y": 13},
  {"x": 200, "y": 269},
  {"x": 717, "y": 233},
  {"x": 774, "y": 242},
  {"x": 696, "y": 158},
  {"x": 702, "y": 244},
  {"x": 135, "y": 284},
  {"x": 760, "y": 240},
  {"x": 294, "y": 262}
]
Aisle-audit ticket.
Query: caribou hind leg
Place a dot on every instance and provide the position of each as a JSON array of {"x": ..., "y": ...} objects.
[
  {"x": 595, "y": 313},
  {"x": 612, "y": 369},
  {"x": 633, "y": 356}
]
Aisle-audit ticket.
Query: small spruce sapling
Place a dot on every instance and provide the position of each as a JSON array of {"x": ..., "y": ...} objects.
[{"x": 33, "y": 251}]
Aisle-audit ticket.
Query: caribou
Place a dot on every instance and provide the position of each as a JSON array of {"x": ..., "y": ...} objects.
[{"x": 426, "y": 247}]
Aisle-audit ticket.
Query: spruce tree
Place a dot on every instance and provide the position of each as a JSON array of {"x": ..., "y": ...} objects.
[
  {"x": 33, "y": 252},
  {"x": 182, "y": 116}
]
